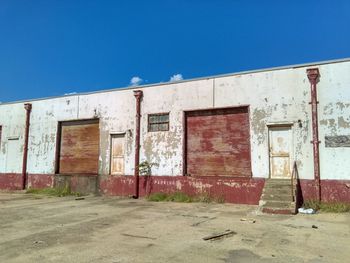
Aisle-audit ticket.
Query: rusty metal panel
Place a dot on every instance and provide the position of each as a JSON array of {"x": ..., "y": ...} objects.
[
  {"x": 79, "y": 148},
  {"x": 280, "y": 149},
  {"x": 218, "y": 142},
  {"x": 117, "y": 154}
]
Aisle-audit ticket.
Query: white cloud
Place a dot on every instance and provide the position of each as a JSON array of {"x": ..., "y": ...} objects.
[
  {"x": 70, "y": 93},
  {"x": 134, "y": 81},
  {"x": 176, "y": 77}
]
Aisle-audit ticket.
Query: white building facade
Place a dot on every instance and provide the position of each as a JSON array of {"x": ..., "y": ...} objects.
[{"x": 222, "y": 135}]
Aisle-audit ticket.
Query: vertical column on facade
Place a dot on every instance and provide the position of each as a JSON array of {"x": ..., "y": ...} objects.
[
  {"x": 28, "y": 108},
  {"x": 138, "y": 95},
  {"x": 313, "y": 76}
]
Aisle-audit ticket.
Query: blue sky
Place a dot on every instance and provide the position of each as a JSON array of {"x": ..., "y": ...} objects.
[{"x": 50, "y": 48}]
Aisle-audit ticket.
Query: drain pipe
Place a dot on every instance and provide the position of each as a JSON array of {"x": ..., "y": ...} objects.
[
  {"x": 138, "y": 95},
  {"x": 313, "y": 76},
  {"x": 28, "y": 108}
]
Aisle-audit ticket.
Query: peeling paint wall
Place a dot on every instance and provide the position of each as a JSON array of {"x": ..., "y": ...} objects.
[
  {"x": 334, "y": 119},
  {"x": 165, "y": 148},
  {"x": 274, "y": 97},
  {"x": 12, "y": 119},
  {"x": 278, "y": 96}
]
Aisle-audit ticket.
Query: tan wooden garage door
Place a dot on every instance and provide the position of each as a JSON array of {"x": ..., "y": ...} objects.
[
  {"x": 218, "y": 143},
  {"x": 79, "y": 148}
]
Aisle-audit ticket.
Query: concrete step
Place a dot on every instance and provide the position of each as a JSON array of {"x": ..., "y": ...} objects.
[
  {"x": 281, "y": 211},
  {"x": 277, "y": 186},
  {"x": 278, "y": 204},
  {"x": 278, "y": 181},
  {"x": 276, "y": 197},
  {"x": 78, "y": 183},
  {"x": 277, "y": 191}
]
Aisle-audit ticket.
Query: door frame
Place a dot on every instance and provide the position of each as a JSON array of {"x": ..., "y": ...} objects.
[
  {"x": 271, "y": 126},
  {"x": 111, "y": 135}
]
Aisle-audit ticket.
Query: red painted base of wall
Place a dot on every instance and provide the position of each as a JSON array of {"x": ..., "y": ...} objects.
[
  {"x": 233, "y": 190},
  {"x": 10, "y": 181},
  {"x": 13, "y": 181},
  {"x": 331, "y": 190}
]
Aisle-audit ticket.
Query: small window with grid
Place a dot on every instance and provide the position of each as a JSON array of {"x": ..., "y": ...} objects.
[{"x": 158, "y": 122}]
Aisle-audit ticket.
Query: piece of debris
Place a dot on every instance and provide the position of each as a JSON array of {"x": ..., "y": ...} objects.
[
  {"x": 38, "y": 242},
  {"x": 195, "y": 216},
  {"x": 249, "y": 220},
  {"x": 313, "y": 226},
  {"x": 302, "y": 210},
  {"x": 293, "y": 226},
  {"x": 226, "y": 233},
  {"x": 203, "y": 221},
  {"x": 129, "y": 235},
  {"x": 80, "y": 198}
]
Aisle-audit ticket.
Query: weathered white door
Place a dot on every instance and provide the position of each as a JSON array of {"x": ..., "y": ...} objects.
[
  {"x": 280, "y": 140},
  {"x": 117, "y": 154},
  {"x": 13, "y": 157}
]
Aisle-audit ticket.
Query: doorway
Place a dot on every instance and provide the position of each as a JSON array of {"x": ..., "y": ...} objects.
[
  {"x": 117, "y": 154},
  {"x": 280, "y": 145},
  {"x": 78, "y": 147},
  {"x": 218, "y": 142}
]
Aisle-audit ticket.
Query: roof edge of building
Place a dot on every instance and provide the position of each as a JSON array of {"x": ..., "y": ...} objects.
[{"x": 186, "y": 80}]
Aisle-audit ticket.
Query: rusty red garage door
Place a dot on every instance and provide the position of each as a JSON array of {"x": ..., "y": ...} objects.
[
  {"x": 218, "y": 142},
  {"x": 79, "y": 147}
]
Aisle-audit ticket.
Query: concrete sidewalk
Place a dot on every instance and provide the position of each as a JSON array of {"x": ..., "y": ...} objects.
[{"x": 105, "y": 229}]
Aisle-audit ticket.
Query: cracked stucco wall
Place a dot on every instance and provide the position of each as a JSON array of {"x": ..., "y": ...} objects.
[
  {"x": 334, "y": 119},
  {"x": 11, "y": 119},
  {"x": 277, "y": 96}
]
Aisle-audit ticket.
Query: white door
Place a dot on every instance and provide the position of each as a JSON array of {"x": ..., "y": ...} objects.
[
  {"x": 117, "y": 154},
  {"x": 280, "y": 140},
  {"x": 13, "y": 156}
]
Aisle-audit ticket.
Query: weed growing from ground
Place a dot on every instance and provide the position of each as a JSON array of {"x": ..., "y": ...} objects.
[
  {"x": 59, "y": 192},
  {"x": 184, "y": 198},
  {"x": 332, "y": 207},
  {"x": 157, "y": 197},
  {"x": 179, "y": 197}
]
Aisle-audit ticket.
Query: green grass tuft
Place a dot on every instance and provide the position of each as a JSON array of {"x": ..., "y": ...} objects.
[
  {"x": 59, "y": 192},
  {"x": 333, "y": 207},
  {"x": 203, "y": 198},
  {"x": 157, "y": 197},
  {"x": 219, "y": 199},
  {"x": 179, "y": 197},
  {"x": 315, "y": 205},
  {"x": 184, "y": 198}
]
